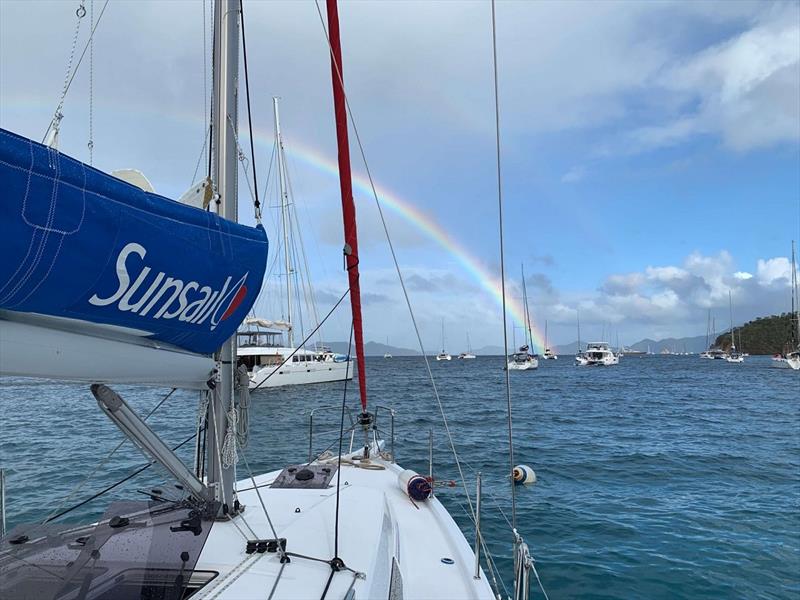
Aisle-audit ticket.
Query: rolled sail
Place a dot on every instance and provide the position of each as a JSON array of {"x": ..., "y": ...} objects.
[{"x": 91, "y": 250}]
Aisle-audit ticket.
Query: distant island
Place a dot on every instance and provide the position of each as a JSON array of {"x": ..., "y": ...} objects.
[{"x": 763, "y": 335}]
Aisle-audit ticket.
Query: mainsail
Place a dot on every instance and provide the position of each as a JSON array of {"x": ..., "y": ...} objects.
[{"x": 87, "y": 254}]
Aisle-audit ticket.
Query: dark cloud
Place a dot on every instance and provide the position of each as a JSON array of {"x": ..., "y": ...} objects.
[{"x": 540, "y": 282}]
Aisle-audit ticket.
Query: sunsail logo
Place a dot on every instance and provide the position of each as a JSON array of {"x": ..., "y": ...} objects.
[{"x": 169, "y": 297}]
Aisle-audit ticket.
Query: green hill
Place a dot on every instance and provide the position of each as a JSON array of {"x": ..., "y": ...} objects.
[{"x": 764, "y": 335}]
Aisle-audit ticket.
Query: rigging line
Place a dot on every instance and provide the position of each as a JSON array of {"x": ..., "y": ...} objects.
[
  {"x": 78, "y": 64},
  {"x": 489, "y": 559},
  {"x": 305, "y": 276},
  {"x": 327, "y": 585},
  {"x": 400, "y": 277},
  {"x": 341, "y": 441},
  {"x": 205, "y": 91},
  {"x": 202, "y": 155},
  {"x": 249, "y": 111},
  {"x": 269, "y": 169},
  {"x": 91, "y": 87},
  {"x": 281, "y": 551},
  {"x": 320, "y": 454},
  {"x": 211, "y": 99},
  {"x": 330, "y": 312},
  {"x": 277, "y": 579},
  {"x": 243, "y": 159},
  {"x": 80, "y": 485},
  {"x": 117, "y": 484},
  {"x": 535, "y": 572},
  {"x": 294, "y": 260},
  {"x": 502, "y": 268}
]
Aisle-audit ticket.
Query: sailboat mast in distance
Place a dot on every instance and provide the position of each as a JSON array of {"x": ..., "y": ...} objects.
[
  {"x": 346, "y": 186},
  {"x": 280, "y": 163},
  {"x": 795, "y": 333},
  {"x": 730, "y": 308}
]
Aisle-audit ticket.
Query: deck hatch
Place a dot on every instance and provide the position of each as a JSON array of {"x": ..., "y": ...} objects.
[{"x": 307, "y": 477}]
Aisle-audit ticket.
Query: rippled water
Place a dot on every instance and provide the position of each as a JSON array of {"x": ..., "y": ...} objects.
[{"x": 664, "y": 477}]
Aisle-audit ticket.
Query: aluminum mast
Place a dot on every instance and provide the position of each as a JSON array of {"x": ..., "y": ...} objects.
[
  {"x": 281, "y": 164},
  {"x": 224, "y": 175}
]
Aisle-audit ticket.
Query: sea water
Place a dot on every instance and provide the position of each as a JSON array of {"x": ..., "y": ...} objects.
[{"x": 662, "y": 477}]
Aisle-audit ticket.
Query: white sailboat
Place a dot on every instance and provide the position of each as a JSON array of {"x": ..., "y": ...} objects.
[
  {"x": 269, "y": 361},
  {"x": 387, "y": 354},
  {"x": 580, "y": 358},
  {"x": 790, "y": 358},
  {"x": 707, "y": 353},
  {"x": 522, "y": 359},
  {"x": 297, "y": 532},
  {"x": 733, "y": 356},
  {"x": 443, "y": 355},
  {"x": 548, "y": 353},
  {"x": 468, "y": 355}
]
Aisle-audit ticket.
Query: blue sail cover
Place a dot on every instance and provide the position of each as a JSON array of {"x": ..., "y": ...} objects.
[{"x": 81, "y": 244}]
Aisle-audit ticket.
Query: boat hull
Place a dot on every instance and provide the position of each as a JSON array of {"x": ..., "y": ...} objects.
[{"x": 301, "y": 374}]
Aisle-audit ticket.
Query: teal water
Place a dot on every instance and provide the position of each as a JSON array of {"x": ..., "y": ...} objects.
[{"x": 663, "y": 477}]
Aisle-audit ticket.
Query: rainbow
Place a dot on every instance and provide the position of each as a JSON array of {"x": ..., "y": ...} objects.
[{"x": 424, "y": 223}]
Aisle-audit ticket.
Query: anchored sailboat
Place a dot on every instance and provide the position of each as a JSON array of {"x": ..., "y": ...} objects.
[
  {"x": 468, "y": 355},
  {"x": 523, "y": 359},
  {"x": 443, "y": 355},
  {"x": 548, "y": 353},
  {"x": 790, "y": 358},
  {"x": 269, "y": 361},
  {"x": 733, "y": 356}
]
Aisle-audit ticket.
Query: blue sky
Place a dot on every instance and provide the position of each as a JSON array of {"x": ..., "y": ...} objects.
[{"x": 651, "y": 150}]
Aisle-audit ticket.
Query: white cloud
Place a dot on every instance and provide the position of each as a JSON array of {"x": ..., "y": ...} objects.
[
  {"x": 745, "y": 89},
  {"x": 674, "y": 299},
  {"x": 771, "y": 270},
  {"x": 574, "y": 175}
]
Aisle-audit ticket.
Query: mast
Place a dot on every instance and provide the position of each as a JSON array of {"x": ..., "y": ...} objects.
[
  {"x": 284, "y": 217},
  {"x": 730, "y": 307},
  {"x": 346, "y": 186},
  {"x": 224, "y": 176},
  {"x": 579, "y": 333},
  {"x": 708, "y": 328},
  {"x": 529, "y": 338},
  {"x": 795, "y": 327},
  {"x": 546, "y": 345}
]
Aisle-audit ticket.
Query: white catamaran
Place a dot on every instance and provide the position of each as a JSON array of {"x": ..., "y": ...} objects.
[{"x": 137, "y": 306}]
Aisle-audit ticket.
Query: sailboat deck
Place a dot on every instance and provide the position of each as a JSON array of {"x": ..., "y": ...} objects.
[{"x": 380, "y": 531}]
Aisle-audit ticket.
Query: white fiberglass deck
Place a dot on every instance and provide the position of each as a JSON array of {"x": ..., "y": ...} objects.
[{"x": 378, "y": 524}]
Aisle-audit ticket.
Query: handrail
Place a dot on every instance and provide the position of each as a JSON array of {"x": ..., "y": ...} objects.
[{"x": 352, "y": 415}]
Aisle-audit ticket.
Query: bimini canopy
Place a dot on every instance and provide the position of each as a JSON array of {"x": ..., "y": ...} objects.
[{"x": 82, "y": 245}]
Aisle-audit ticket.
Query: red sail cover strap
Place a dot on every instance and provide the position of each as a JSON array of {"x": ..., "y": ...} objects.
[{"x": 346, "y": 185}]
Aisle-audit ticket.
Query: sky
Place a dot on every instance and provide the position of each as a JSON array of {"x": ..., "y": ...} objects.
[{"x": 650, "y": 150}]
